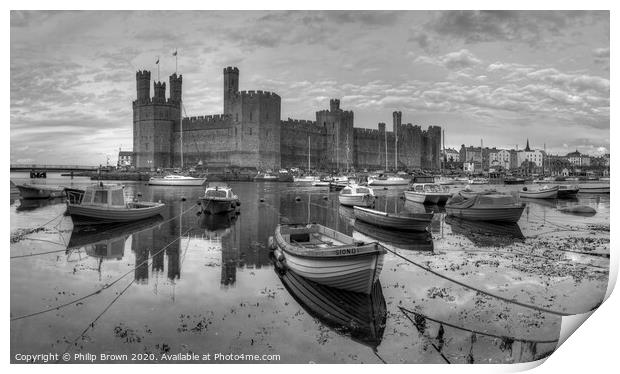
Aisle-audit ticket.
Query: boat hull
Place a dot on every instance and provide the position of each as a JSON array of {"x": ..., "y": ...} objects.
[
  {"x": 415, "y": 222},
  {"x": 584, "y": 188},
  {"x": 40, "y": 192},
  {"x": 568, "y": 192},
  {"x": 551, "y": 193},
  {"x": 424, "y": 198},
  {"x": 382, "y": 182},
  {"x": 172, "y": 182},
  {"x": 503, "y": 214},
  {"x": 357, "y": 200},
  {"x": 92, "y": 215}
]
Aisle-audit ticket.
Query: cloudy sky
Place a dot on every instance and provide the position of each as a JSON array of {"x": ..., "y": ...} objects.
[{"x": 499, "y": 76}]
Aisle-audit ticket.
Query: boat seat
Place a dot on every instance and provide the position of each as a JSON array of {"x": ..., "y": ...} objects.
[{"x": 302, "y": 237}]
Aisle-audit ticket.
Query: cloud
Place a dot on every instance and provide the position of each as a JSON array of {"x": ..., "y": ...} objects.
[
  {"x": 601, "y": 52},
  {"x": 454, "y": 60}
]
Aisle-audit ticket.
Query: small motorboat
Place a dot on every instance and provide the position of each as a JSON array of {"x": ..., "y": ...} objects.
[
  {"x": 219, "y": 199},
  {"x": 567, "y": 190},
  {"x": 479, "y": 181},
  {"x": 355, "y": 195},
  {"x": 40, "y": 191},
  {"x": 593, "y": 188},
  {"x": 492, "y": 207},
  {"x": 328, "y": 257},
  {"x": 387, "y": 180},
  {"x": 266, "y": 177},
  {"x": 393, "y": 221},
  {"x": 428, "y": 193},
  {"x": 306, "y": 179},
  {"x": 321, "y": 183},
  {"x": 177, "y": 180},
  {"x": 362, "y": 317},
  {"x": 105, "y": 203},
  {"x": 514, "y": 180},
  {"x": 544, "y": 192}
]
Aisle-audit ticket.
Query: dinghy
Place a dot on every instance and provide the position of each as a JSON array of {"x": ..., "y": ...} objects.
[
  {"x": 503, "y": 208},
  {"x": 403, "y": 221},
  {"x": 328, "y": 257},
  {"x": 545, "y": 192},
  {"x": 355, "y": 195}
]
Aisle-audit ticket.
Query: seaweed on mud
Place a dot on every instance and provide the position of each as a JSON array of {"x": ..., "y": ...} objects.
[{"x": 435, "y": 292}]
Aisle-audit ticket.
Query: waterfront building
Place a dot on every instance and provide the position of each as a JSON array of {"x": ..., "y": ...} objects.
[
  {"x": 451, "y": 155},
  {"x": 535, "y": 156},
  {"x": 125, "y": 159},
  {"x": 578, "y": 159},
  {"x": 250, "y": 134}
]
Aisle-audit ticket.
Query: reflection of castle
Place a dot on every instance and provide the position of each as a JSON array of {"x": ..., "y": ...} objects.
[{"x": 250, "y": 133}]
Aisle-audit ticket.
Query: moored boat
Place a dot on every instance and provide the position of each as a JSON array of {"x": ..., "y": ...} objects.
[
  {"x": 468, "y": 193},
  {"x": 306, "y": 179},
  {"x": 544, "y": 192},
  {"x": 594, "y": 188},
  {"x": 566, "y": 190},
  {"x": 417, "y": 241},
  {"x": 74, "y": 195},
  {"x": 428, "y": 193},
  {"x": 40, "y": 191},
  {"x": 402, "y": 221},
  {"x": 177, "y": 180},
  {"x": 266, "y": 177},
  {"x": 356, "y": 195},
  {"x": 328, "y": 257},
  {"x": 219, "y": 199},
  {"x": 105, "y": 203},
  {"x": 385, "y": 180},
  {"x": 514, "y": 180},
  {"x": 479, "y": 181},
  {"x": 492, "y": 207}
]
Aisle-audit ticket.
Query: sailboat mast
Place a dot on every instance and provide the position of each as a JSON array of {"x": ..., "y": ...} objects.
[
  {"x": 308, "y": 153},
  {"x": 386, "y": 158},
  {"x": 181, "y": 124}
]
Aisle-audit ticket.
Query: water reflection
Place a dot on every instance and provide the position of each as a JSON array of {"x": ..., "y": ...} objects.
[
  {"x": 32, "y": 204},
  {"x": 357, "y": 315},
  {"x": 486, "y": 234}
]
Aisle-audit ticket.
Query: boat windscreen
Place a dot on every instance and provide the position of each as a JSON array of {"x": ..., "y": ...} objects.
[
  {"x": 117, "y": 198},
  {"x": 216, "y": 193},
  {"x": 363, "y": 190}
]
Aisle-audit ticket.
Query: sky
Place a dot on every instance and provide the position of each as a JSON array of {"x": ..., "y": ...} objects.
[{"x": 500, "y": 77}]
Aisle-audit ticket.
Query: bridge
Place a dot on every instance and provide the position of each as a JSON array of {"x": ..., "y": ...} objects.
[{"x": 43, "y": 167}]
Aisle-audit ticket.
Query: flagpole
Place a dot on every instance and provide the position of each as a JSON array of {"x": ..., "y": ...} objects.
[{"x": 158, "y": 68}]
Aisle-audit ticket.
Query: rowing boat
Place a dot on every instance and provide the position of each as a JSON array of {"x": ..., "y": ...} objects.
[
  {"x": 594, "y": 188},
  {"x": 503, "y": 208},
  {"x": 402, "y": 221},
  {"x": 540, "y": 193},
  {"x": 39, "y": 191},
  {"x": 329, "y": 257}
]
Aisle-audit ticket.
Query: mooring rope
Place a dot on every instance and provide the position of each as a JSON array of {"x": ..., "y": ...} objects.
[
  {"x": 107, "y": 285},
  {"x": 433, "y": 344},
  {"x": 403, "y": 309},
  {"x": 512, "y": 301},
  {"x": 17, "y": 237}
]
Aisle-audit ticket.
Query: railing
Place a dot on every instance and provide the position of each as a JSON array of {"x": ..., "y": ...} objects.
[{"x": 52, "y": 167}]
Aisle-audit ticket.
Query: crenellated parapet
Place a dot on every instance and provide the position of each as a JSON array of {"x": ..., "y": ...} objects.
[
  {"x": 303, "y": 126},
  {"x": 259, "y": 95},
  {"x": 206, "y": 122}
]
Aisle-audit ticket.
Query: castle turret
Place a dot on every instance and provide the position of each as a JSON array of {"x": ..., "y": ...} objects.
[
  {"x": 159, "y": 91},
  {"x": 176, "y": 83},
  {"x": 143, "y": 85},
  {"x": 231, "y": 87},
  {"x": 334, "y": 105}
]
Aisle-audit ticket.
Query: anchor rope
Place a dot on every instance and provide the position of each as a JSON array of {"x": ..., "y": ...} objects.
[
  {"x": 106, "y": 286},
  {"x": 433, "y": 344},
  {"x": 405, "y": 310}
]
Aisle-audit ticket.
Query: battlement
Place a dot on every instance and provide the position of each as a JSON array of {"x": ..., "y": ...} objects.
[
  {"x": 299, "y": 122},
  {"x": 143, "y": 74},
  {"x": 366, "y": 133},
  {"x": 231, "y": 69},
  {"x": 259, "y": 94},
  {"x": 208, "y": 118}
]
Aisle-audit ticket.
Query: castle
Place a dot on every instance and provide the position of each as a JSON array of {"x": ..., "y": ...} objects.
[{"x": 250, "y": 134}]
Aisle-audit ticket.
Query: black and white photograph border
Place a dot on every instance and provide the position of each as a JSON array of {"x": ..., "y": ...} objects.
[{"x": 508, "y": 107}]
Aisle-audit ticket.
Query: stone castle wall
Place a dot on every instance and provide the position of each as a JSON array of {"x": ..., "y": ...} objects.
[{"x": 250, "y": 133}]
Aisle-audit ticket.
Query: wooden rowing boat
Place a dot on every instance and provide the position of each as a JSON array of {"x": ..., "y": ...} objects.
[
  {"x": 39, "y": 191},
  {"x": 594, "y": 188},
  {"x": 402, "y": 221},
  {"x": 362, "y": 317},
  {"x": 328, "y": 257},
  {"x": 416, "y": 241},
  {"x": 503, "y": 208}
]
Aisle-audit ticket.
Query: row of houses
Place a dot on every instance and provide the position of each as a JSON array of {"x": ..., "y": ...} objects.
[{"x": 478, "y": 159}]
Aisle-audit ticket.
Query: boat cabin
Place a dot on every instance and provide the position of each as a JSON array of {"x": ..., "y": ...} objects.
[
  {"x": 356, "y": 190},
  {"x": 427, "y": 187},
  {"x": 219, "y": 192},
  {"x": 110, "y": 195}
]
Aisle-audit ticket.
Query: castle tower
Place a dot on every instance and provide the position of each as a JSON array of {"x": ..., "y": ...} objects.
[
  {"x": 159, "y": 91},
  {"x": 176, "y": 83},
  {"x": 396, "y": 122},
  {"x": 143, "y": 85},
  {"x": 231, "y": 87},
  {"x": 334, "y": 105}
]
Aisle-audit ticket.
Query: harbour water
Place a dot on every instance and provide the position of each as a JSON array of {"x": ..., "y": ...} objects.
[{"x": 188, "y": 283}]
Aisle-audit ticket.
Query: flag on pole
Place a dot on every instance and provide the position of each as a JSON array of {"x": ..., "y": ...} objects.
[
  {"x": 157, "y": 62},
  {"x": 175, "y": 53}
]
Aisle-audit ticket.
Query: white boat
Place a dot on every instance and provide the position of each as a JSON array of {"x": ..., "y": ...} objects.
[
  {"x": 265, "y": 177},
  {"x": 105, "y": 203},
  {"x": 594, "y": 188},
  {"x": 544, "y": 192},
  {"x": 328, "y": 257},
  {"x": 306, "y": 179},
  {"x": 383, "y": 180},
  {"x": 427, "y": 193},
  {"x": 177, "y": 180},
  {"x": 355, "y": 195},
  {"x": 219, "y": 199},
  {"x": 40, "y": 191}
]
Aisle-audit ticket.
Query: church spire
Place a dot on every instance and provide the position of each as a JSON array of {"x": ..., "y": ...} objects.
[{"x": 527, "y": 146}]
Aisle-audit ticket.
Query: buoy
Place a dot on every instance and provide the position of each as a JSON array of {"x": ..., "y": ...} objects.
[
  {"x": 278, "y": 255},
  {"x": 238, "y": 203},
  {"x": 524, "y": 188},
  {"x": 198, "y": 202},
  {"x": 324, "y": 197},
  {"x": 139, "y": 194},
  {"x": 261, "y": 200},
  {"x": 271, "y": 243},
  {"x": 183, "y": 198},
  {"x": 297, "y": 198},
  {"x": 198, "y": 213}
]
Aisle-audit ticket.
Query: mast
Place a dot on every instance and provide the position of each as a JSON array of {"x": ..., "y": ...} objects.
[
  {"x": 395, "y": 149},
  {"x": 308, "y": 153},
  {"x": 181, "y": 124},
  {"x": 386, "y": 158}
]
